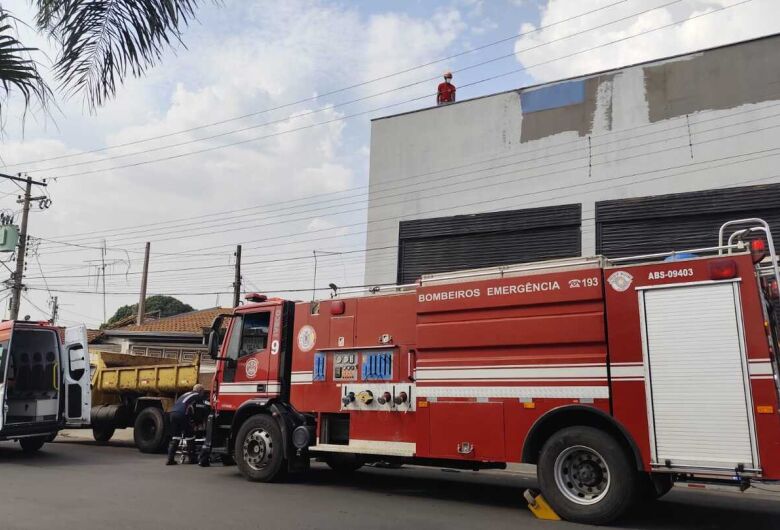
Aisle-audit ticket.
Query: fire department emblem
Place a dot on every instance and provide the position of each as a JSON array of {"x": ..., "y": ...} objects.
[
  {"x": 251, "y": 368},
  {"x": 306, "y": 338},
  {"x": 620, "y": 280}
]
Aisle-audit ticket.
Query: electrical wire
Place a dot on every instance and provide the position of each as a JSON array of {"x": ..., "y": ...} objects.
[
  {"x": 323, "y": 95},
  {"x": 480, "y": 185},
  {"x": 385, "y": 107},
  {"x": 710, "y": 164}
]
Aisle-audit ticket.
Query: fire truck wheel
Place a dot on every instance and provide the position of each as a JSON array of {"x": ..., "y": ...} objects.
[
  {"x": 344, "y": 463},
  {"x": 259, "y": 450},
  {"x": 32, "y": 445},
  {"x": 586, "y": 475},
  {"x": 149, "y": 431},
  {"x": 102, "y": 434}
]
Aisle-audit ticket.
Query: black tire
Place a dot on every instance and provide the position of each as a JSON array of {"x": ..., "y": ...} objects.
[
  {"x": 102, "y": 434},
  {"x": 32, "y": 445},
  {"x": 591, "y": 467},
  {"x": 259, "y": 450},
  {"x": 149, "y": 432},
  {"x": 344, "y": 463},
  {"x": 51, "y": 437}
]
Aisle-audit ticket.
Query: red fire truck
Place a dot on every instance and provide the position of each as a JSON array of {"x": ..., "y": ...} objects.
[{"x": 615, "y": 377}]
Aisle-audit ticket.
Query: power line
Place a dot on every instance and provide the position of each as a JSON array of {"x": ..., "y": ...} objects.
[
  {"x": 482, "y": 184},
  {"x": 291, "y": 201},
  {"x": 330, "y": 107},
  {"x": 766, "y": 152},
  {"x": 362, "y": 113},
  {"x": 221, "y": 222},
  {"x": 325, "y": 94}
]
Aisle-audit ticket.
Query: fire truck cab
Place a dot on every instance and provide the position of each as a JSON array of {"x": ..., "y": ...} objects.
[
  {"x": 616, "y": 378},
  {"x": 44, "y": 381}
]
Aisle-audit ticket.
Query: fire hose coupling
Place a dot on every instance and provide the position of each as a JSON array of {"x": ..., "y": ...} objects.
[
  {"x": 386, "y": 397},
  {"x": 365, "y": 397},
  {"x": 401, "y": 398},
  {"x": 348, "y": 398}
]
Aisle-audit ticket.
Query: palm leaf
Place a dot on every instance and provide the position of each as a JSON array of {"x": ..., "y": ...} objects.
[
  {"x": 105, "y": 40},
  {"x": 18, "y": 71}
]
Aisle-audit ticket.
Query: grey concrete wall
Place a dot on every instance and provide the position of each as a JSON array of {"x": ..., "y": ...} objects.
[{"x": 705, "y": 120}]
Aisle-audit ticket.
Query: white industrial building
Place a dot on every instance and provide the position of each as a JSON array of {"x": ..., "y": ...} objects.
[{"x": 645, "y": 158}]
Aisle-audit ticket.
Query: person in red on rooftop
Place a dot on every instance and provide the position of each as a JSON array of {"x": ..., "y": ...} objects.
[{"x": 446, "y": 92}]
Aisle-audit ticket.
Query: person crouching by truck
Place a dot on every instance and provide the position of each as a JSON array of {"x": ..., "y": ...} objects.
[{"x": 182, "y": 419}]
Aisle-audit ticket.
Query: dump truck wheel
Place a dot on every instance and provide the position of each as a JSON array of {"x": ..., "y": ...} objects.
[
  {"x": 586, "y": 475},
  {"x": 102, "y": 434},
  {"x": 149, "y": 431},
  {"x": 32, "y": 445},
  {"x": 259, "y": 450},
  {"x": 344, "y": 463}
]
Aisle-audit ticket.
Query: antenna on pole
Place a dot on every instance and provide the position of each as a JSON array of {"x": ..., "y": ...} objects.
[{"x": 314, "y": 283}]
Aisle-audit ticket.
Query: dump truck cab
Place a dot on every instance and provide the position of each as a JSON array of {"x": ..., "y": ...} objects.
[{"x": 44, "y": 381}]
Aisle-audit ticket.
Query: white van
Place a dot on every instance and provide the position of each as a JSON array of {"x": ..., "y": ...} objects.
[{"x": 44, "y": 381}]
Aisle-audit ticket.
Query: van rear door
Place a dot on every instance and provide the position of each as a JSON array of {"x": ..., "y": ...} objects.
[{"x": 76, "y": 377}]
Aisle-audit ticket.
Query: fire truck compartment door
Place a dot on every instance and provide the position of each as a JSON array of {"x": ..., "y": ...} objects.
[
  {"x": 698, "y": 389},
  {"x": 463, "y": 430},
  {"x": 77, "y": 377}
]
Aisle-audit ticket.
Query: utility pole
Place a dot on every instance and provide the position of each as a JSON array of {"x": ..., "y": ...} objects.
[
  {"x": 103, "y": 269},
  {"x": 20, "y": 253},
  {"x": 142, "y": 300},
  {"x": 55, "y": 307},
  {"x": 237, "y": 280},
  {"x": 16, "y": 280}
]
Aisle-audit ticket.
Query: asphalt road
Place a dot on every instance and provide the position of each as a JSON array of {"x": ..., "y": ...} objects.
[{"x": 84, "y": 486}]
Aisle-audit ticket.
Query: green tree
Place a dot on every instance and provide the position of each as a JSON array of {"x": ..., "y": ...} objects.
[
  {"x": 166, "y": 306},
  {"x": 100, "y": 43}
]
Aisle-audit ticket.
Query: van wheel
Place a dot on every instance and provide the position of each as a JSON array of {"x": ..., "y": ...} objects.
[
  {"x": 102, "y": 434},
  {"x": 586, "y": 476},
  {"x": 259, "y": 450},
  {"x": 344, "y": 463},
  {"x": 149, "y": 431},
  {"x": 32, "y": 445}
]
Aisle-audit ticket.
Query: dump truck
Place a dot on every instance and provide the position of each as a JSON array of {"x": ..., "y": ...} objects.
[{"x": 135, "y": 391}]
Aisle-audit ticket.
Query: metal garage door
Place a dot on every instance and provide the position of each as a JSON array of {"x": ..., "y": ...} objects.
[
  {"x": 662, "y": 223},
  {"x": 445, "y": 244},
  {"x": 698, "y": 392}
]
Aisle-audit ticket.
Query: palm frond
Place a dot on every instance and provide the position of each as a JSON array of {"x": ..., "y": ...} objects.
[
  {"x": 105, "y": 40},
  {"x": 18, "y": 70}
]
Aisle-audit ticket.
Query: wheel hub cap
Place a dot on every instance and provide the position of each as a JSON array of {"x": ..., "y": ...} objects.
[
  {"x": 582, "y": 475},
  {"x": 257, "y": 449}
]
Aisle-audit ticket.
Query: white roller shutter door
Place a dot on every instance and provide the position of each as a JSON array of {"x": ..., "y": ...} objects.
[{"x": 699, "y": 399}]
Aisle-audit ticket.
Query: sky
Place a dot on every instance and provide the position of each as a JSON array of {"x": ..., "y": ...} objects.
[{"x": 257, "y": 132}]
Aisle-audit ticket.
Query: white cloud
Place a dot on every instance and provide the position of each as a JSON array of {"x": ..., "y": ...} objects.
[
  {"x": 244, "y": 57},
  {"x": 737, "y": 23}
]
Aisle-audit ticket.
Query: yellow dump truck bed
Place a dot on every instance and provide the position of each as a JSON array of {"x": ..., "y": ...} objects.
[{"x": 120, "y": 373}]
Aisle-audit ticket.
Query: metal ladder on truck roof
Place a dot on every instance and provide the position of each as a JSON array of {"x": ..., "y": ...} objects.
[{"x": 771, "y": 269}]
